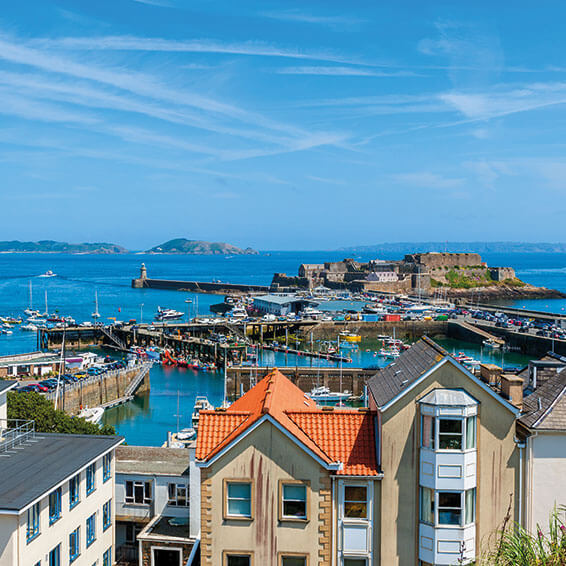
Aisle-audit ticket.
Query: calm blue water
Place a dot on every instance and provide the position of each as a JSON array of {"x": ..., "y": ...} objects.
[{"x": 147, "y": 419}]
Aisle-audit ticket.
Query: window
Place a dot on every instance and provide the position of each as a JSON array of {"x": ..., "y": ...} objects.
[
  {"x": 427, "y": 505},
  {"x": 470, "y": 433},
  {"x": 74, "y": 490},
  {"x": 354, "y": 562},
  {"x": 238, "y": 560},
  {"x": 239, "y": 499},
  {"x": 91, "y": 529},
  {"x": 74, "y": 544},
  {"x": 107, "y": 558},
  {"x": 355, "y": 502},
  {"x": 178, "y": 495},
  {"x": 132, "y": 532},
  {"x": 33, "y": 522},
  {"x": 470, "y": 506},
  {"x": 106, "y": 466},
  {"x": 138, "y": 492},
  {"x": 293, "y": 560},
  {"x": 450, "y": 434},
  {"x": 54, "y": 505},
  {"x": 449, "y": 507},
  {"x": 38, "y": 563},
  {"x": 427, "y": 432},
  {"x": 90, "y": 477},
  {"x": 107, "y": 514},
  {"x": 294, "y": 501},
  {"x": 55, "y": 556}
]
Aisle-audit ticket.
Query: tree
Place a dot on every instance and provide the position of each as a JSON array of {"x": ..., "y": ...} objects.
[{"x": 32, "y": 406}]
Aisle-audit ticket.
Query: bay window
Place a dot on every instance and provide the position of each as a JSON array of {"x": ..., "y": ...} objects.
[
  {"x": 449, "y": 508},
  {"x": 470, "y": 433},
  {"x": 450, "y": 434},
  {"x": 355, "y": 502},
  {"x": 427, "y": 431},
  {"x": 453, "y": 508},
  {"x": 427, "y": 505}
]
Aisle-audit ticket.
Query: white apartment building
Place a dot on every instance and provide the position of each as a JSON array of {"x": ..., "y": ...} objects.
[
  {"x": 56, "y": 497},
  {"x": 157, "y": 505}
]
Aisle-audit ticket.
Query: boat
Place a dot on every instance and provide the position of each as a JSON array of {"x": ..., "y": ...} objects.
[
  {"x": 186, "y": 434},
  {"x": 490, "y": 343},
  {"x": 29, "y": 327},
  {"x": 48, "y": 273},
  {"x": 322, "y": 394},
  {"x": 201, "y": 404},
  {"x": 93, "y": 415},
  {"x": 310, "y": 312},
  {"x": 238, "y": 312},
  {"x": 168, "y": 314},
  {"x": 389, "y": 353},
  {"x": 350, "y": 337},
  {"x": 95, "y": 314}
]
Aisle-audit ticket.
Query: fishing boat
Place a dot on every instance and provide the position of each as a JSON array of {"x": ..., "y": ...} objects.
[
  {"x": 168, "y": 314},
  {"x": 322, "y": 394},
  {"x": 48, "y": 273},
  {"x": 201, "y": 404},
  {"x": 350, "y": 337},
  {"x": 93, "y": 415}
]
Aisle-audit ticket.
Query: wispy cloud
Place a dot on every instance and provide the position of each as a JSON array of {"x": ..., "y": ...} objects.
[
  {"x": 308, "y": 18},
  {"x": 154, "y": 44},
  {"x": 160, "y": 3},
  {"x": 325, "y": 180},
  {"x": 428, "y": 180},
  {"x": 343, "y": 72}
]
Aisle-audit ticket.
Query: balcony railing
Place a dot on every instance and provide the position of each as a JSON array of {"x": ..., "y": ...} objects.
[{"x": 14, "y": 432}]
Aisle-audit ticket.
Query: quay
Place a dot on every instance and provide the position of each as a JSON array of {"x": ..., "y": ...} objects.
[{"x": 212, "y": 287}]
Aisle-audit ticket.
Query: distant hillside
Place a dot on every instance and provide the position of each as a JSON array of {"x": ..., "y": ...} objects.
[
  {"x": 477, "y": 247},
  {"x": 198, "y": 247},
  {"x": 51, "y": 246}
]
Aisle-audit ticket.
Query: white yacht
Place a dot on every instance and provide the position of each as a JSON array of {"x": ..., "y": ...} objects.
[
  {"x": 201, "y": 404},
  {"x": 323, "y": 394}
]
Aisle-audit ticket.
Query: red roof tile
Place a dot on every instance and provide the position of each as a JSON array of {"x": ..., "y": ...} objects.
[{"x": 345, "y": 436}]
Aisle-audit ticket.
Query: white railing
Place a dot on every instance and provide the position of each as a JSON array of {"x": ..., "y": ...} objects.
[{"x": 14, "y": 432}]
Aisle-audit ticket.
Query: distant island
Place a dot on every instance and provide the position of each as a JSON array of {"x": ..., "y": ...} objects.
[
  {"x": 51, "y": 246},
  {"x": 460, "y": 247},
  {"x": 199, "y": 247}
]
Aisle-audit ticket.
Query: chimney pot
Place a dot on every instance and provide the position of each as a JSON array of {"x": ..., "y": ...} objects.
[{"x": 512, "y": 389}]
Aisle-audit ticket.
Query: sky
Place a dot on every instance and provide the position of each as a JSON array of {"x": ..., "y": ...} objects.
[{"x": 282, "y": 125}]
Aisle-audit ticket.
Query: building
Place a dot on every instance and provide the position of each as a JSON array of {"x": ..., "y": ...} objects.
[
  {"x": 448, "y": 456},
  {"x": 56, "y": 497},
  {"x": 543, "y": 428},
  {"x": 383, "y": 276},
  {"x": 285, "y": 483},
  {"x": 157, "y": 506},
  {"x": 34, "y": 364},
  {"x": 279, "y": 304}
]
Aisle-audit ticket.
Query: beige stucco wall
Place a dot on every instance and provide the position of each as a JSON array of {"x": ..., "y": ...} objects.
[
  {"x": 545, "y": 478},
  {"x": 51, "y": 535},
  {"x": 8, "y": 541},
  {"x": 266, "y": 456},
  {"x": 497, "y": 472}
]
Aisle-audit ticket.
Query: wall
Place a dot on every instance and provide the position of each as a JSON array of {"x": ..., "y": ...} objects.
[
  {"x": 546, "y": 470},
  {"x": 8, "y": 540},
  {"x": 59, "y": 532},
  {"x": 497, "y": 470},
  {"x": 266, "y": 456}
]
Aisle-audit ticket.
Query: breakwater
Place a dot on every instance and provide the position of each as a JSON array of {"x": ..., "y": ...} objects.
[{"x": 107, "y": 389}]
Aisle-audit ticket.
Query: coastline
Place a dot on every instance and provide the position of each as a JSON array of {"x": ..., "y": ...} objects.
[{"x": 505, "y": 292}]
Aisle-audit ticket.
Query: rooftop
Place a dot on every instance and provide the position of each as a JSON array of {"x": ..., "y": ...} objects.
[
  {"x": 545, "y": 407},
  {"x": 279, "y": 299},
  {"x": 388, "y": 382},
  {"x": 167, "y": 527},
  {"x": 7, "y": 384},
  {"x": 37, "y": 466},
  {"x": 151, "y": 461},
  {"x": 340, "y": 436}
]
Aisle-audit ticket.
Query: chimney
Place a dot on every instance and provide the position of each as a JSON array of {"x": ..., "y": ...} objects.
[
  {"x": 512, "y": 389},
  {"x": 490, "y": 373}
]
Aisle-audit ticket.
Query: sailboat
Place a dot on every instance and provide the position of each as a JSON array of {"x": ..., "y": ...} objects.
[
  {"x": 95, "y": 314},
  {"x": 29, "y": 311}
]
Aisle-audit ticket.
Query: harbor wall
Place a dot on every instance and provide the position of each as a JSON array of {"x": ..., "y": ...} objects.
[
  {"x": 98, "y": 390},
  {"x": 215, "y": 288},
  {"x": 353, "y": 380}
]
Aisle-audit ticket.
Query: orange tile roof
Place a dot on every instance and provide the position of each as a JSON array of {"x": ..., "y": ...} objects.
[{"x": 346, "y": 436}]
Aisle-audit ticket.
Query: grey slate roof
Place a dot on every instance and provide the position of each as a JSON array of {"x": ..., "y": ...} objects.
[
  {"x": 388, "y": 382},
  {"x": 7, "y": 384},
  {"x": 34, "y": 468},
  {"x": 151, "y": 460},
  {"x": 552, "y": 412}
]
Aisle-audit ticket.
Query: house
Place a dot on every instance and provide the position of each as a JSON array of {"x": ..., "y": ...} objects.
[
  {"x": 448, "y": 457},
  {"x": 157, "y": 505},
  {"x": 279, "y": 304},
  {"x": 33, "y": 364},
  {"x": 56, "y": 496},
  {"x": 542, "y": 425},
  {"x": 286, "y": 483}
]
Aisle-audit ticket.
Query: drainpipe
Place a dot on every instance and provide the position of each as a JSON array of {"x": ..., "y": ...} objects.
[
  {"x": 521, "y": 446},
  {"x": 334, "y": 523}
]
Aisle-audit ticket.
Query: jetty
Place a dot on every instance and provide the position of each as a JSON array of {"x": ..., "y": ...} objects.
[{"x": 211, "y": 287}]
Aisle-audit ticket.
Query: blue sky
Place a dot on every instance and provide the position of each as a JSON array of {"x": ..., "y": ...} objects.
[{"x": 282, "y": 125}]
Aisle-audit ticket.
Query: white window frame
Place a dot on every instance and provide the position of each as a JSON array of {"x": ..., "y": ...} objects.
[
  {"x": 154, "y": 548},
  {"x": 174, "y": 502},
  {"x": 368, "y": 516},
  {"x": 138, "y": 483},
  {"x": 347, "y": 521}
]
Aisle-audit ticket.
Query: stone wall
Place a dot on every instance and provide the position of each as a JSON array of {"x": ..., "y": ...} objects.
[
  {"x": 442, "y": 259},
  {"x": 146, "y": 546},
  {"x": 502, "y": 273}
]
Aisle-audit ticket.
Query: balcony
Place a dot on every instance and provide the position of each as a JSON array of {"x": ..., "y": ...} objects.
[{"x": 448, "y": 470}]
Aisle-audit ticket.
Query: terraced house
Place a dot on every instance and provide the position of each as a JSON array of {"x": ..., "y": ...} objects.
[{"x": 419, "y": 478}]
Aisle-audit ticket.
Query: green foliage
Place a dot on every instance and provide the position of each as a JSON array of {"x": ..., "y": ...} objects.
[
  {"x": 517, "y": 547},
  {"x": 462, "y": 281},
  {"x": 513, "y": 282},
  {"x": 434, "y": 283},
  {"x": 33, "y": 406}
]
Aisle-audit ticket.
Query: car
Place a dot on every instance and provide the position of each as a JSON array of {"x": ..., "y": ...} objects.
[
  {"x": 42, "y": 388},
  {"x": 27, "y": 389}
]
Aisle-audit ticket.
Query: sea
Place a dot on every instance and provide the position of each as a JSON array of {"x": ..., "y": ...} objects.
[{"x": 169, "y": 404}]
